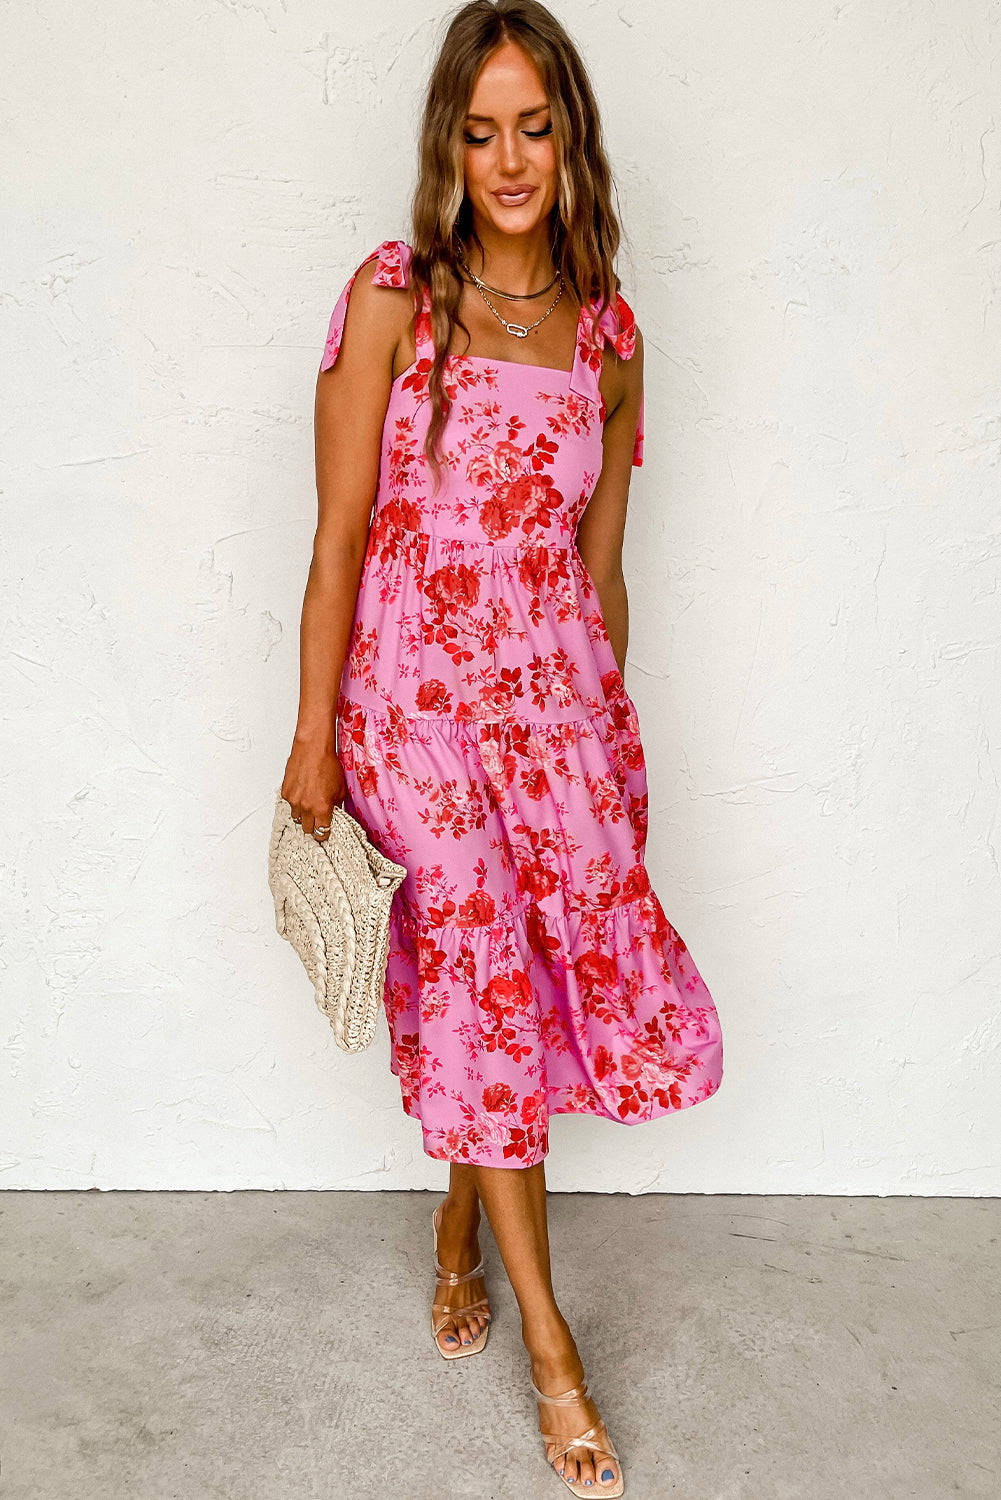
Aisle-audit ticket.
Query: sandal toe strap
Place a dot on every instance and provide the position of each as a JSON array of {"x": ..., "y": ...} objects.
[
  {"x": 442, "y": 1313},
  {"x": 585, "y": 1440}
]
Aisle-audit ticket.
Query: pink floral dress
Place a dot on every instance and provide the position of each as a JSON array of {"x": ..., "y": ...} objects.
[{"x": 490, "y": 746}]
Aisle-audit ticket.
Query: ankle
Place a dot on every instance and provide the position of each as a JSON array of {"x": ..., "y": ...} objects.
[
  {"x": 459, "y": 1218},
  {"x": 549, "y": 1342}
]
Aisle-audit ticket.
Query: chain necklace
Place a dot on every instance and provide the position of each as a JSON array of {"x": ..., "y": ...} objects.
[
  {"x": 508, "y": 296},
  {"x": 521, "y": 330}
]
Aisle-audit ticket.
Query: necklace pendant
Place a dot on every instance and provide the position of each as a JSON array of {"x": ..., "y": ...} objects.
[{"x": 518, "y": 329}]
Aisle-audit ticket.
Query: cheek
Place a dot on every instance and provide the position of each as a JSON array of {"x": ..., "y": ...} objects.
[
  {"x": 475, "y": 169},
  {"x": 547, "y": 160}
]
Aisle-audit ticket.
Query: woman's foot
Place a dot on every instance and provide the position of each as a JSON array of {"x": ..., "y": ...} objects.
[
  {"x": 556, "y": 1368},
  {"x": 459, "y": 1251}
]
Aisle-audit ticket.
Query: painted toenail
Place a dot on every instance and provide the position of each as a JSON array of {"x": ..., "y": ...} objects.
[
  {"x": 450, "y": 1339},
  {"x": 607, "y": 1475}
]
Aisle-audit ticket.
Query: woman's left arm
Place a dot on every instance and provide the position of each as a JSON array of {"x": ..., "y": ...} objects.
[{"x": 602, "y": 526}]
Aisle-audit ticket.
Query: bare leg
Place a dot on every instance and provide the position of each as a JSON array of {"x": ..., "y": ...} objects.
[
  {"x": 459, "y": 1250},
  {"x": 514, "y": 1200}
]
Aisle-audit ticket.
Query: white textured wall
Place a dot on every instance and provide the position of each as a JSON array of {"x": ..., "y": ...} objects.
[{"x": 810, "y": 192}]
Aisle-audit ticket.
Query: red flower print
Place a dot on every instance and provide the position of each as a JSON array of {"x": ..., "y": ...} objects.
[
  {"x": 539, "y": 937},
  {"x": 397, "y": 729},
  {"x": 636, "y": 883},
  {"x": 499, "y": 696},
  {"x": 595, "y": 970},
  {"x": 509, "y": 993},
  {"x": 544, "y": 451},
  {"x": 430, "y": 959},
  {"x": 532, "y": 1105},
  {"x": 499, "y": 514},
  {"x": 670, "y": 1098},
  {"x": 530, "y": 498},
  {"x": 499, "y": 1099},
  {"x": 350, "y": 723},
  {"x": 535, "y": 783},
  {"x": 503, "y": 461},
  {"x": 453, "y": 588},
  {"x": 536, "y": 879},
  {"x": 632, "y": 1101},
  {"x": 478, "y": 909},
  {"x": 453, "y": 1143},
  {"x": 603, "y": 1062},
  {"x": 434, "y": 697},
  {"x": 533, "y": 567},
  {"x": 520, "y": 1144},
  {"x": 368, "y": 777},
  {"x": 407, "y": 1050}
]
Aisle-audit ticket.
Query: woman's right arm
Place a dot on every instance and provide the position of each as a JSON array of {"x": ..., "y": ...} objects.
[{"x": 352, "y": 397}]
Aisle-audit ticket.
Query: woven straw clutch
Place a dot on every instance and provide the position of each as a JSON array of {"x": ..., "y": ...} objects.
[{"x": 332, "y": 903}]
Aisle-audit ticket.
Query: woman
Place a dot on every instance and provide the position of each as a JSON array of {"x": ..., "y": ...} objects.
[{"x": 482, "y": 385}]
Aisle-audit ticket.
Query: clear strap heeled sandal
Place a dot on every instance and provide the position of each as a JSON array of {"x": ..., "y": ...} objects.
[
  {"x": 442, "y": 1313},
  {"x": 603, "y": 1449}
]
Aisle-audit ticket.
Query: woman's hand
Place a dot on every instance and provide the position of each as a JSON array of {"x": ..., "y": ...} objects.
[{"x": 314, "y": 782}]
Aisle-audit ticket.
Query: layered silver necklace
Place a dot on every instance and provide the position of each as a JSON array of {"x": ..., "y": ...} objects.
[{"x": 518, "y": 330}]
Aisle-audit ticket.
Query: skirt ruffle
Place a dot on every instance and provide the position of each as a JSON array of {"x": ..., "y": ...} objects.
[
  {"x": 549, "y": 1012},
  {"x": 532, "y": 969}
]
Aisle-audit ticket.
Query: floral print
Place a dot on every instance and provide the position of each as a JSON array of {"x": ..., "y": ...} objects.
[{"x": 490, "y": 746}]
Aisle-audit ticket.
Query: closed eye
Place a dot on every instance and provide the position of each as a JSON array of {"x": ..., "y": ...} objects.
[{"x": 481, "y": 140}]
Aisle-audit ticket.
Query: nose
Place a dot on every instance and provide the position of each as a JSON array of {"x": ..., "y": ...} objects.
[{"x": 511, "y": 151}]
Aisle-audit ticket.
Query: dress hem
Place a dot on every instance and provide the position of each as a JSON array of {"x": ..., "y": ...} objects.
[{"x": 541, "y": 1152}]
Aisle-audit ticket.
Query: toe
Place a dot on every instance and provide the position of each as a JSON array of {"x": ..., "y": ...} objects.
[
  {"x": 447, "y": 1338},
  {"x": 607, "y": 1471},
  {"x": 586, "y": 1468}
]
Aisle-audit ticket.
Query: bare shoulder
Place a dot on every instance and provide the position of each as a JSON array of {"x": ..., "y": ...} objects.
[{"x": 375, "y": 329}]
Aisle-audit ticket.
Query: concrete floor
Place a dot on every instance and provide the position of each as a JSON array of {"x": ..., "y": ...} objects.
[{"x": 274, "y": 1346}]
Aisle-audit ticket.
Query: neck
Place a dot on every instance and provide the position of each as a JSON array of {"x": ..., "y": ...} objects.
[{"x": 518, "y": 263}]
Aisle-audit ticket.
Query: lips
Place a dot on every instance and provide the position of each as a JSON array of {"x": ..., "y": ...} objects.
[{"x": 512, "y": 197}]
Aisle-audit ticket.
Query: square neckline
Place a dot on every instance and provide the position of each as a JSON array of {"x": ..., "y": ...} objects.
[{"x": 518, "y": 364}]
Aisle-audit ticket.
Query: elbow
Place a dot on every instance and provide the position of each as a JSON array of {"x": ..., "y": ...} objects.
[
  {"x": 337, "y": 551},
  {"x": 606, "y": 575}
]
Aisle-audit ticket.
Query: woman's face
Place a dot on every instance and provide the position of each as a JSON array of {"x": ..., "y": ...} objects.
[{"x": 509, "y": 145}]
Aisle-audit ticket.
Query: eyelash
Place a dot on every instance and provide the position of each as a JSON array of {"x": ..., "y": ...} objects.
[{"x": 533, "y": 134}]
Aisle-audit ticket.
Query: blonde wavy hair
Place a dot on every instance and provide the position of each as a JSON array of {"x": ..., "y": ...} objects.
[{"x": 585, "y": 228}]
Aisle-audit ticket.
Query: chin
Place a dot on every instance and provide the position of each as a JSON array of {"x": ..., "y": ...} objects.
[{"x": 515, "y": 220}]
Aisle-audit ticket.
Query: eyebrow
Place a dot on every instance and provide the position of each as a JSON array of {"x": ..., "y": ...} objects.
[{"x": 523, "y": 115}]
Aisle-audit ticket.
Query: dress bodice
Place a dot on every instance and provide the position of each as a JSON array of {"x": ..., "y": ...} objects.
[
  {"x": 522, "y": 443},
  {"x": 474, "y": 600}
]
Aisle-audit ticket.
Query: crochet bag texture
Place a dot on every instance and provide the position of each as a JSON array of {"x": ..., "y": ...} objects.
[{"x": 332, "y": 903}]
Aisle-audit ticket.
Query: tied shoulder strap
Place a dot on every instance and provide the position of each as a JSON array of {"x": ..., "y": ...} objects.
[
  {"x": 391, "y": 269},
  {"x": 616, "y": 326}
]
